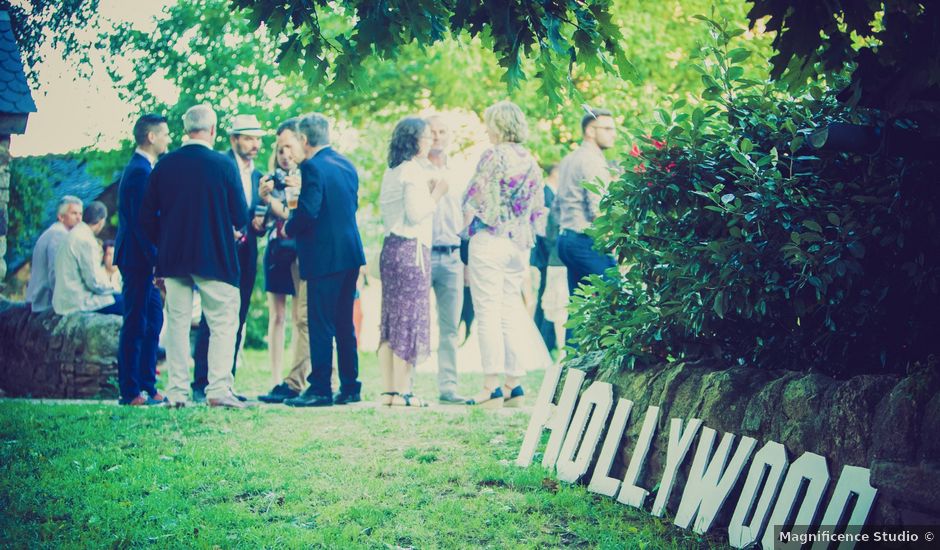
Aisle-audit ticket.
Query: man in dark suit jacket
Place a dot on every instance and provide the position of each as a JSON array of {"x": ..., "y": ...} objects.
[
  {"x": 136, "y": 257},
  {"x": 193, "y": 209},
  {"x": 330, "y": 252},
  {"x": 245, "y": 138}
]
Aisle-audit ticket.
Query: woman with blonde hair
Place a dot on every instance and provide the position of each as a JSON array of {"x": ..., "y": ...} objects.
[
  {"x": 502, "y": 205},
  {"x": 407, "y": 202},
  {"x": 281, "y": 274}
]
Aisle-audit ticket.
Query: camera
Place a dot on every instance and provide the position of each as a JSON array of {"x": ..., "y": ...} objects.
[{"x": 278, "y": 177}]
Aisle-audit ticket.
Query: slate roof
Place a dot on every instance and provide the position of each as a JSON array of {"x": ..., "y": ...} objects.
[
  {"x": 15, "y": 97},
  {"x": 70, "y": 178}
]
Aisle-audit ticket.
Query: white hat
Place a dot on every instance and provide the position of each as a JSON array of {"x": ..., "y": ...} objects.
[{"x": 246, "y": 125}]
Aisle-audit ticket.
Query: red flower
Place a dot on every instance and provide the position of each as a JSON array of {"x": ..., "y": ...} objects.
[
  {"x": 649, "y": 184},
  {"x": 669, "y": 166},
  {"x": 635, "y": 151},
  {"x": 639, "y": 168},
  {"x": 659, "y": 144}
]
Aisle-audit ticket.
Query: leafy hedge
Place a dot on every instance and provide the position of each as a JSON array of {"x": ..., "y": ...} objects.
[
  {"x": 30, "y": 190},
  {"x": 740, "y": 241}
]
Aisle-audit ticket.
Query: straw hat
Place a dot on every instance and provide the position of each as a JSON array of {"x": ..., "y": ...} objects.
[{"x": 246, "y": 125}]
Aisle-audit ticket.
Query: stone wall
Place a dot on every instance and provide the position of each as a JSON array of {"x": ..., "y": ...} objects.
[
  {"x": 47, "y": 355},
  {"x": 888, "y": 424},
  {"x": 4, "y": 202}
]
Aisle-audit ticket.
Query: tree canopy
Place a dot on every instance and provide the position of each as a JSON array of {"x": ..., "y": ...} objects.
[
  {"x": 894, "y": 46},
  {"x": 557, "y": 34}
]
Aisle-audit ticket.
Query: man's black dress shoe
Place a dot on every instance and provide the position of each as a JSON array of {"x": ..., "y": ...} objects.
[
  {"x": 308, "y": 399},
  {"x": 278, "y": 394},
  {"x": 343, "y": 398}
]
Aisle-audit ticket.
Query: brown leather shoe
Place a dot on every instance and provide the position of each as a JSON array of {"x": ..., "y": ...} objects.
[
  {"x": 228, "y": 402},
  {"x": 138, "y": 401}
]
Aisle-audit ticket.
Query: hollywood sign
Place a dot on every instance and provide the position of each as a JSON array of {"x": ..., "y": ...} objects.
[{"x": 770, "y": 492}]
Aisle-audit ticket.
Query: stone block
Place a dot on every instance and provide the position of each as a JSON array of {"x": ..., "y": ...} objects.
[
  {"x": 886, "y": 423},
  {"x": 47, "y": 355}
]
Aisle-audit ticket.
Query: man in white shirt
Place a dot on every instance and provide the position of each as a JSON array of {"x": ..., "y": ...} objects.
[
  {"x": 41, "y": 284},
  {"x": 78, "y": 286},
  {"x": 446, "y": 267}
]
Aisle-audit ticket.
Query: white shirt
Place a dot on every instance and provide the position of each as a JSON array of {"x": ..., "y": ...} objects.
[
  {"x": 42, "y": 269},
  {"x": 245, "y": 169},
  {"x": 77, "y": 285},
  {"x": 405, "y": 202},
  {"x": 146, "y": 155},
  {"x": 448, "y": 218}
]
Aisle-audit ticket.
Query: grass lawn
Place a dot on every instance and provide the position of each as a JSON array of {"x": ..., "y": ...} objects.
[{"x": 94, "y": 476}]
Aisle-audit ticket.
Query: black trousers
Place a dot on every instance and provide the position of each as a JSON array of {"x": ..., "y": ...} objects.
[
  {"x": 330, "y": 316},
  {"x": 246, "y": 285}
]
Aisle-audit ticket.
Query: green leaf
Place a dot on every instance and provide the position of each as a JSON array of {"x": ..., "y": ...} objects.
[
  {"x": 796, "y": 143},
  {"x": 833, "y": 218},
  {"x": 719, "y": 304},
  {"x": 742, "y": 160},
  {"x": 746, "y": 146},
  {"x": 738, "y": 55},
  {"x": 813, "y": 226}
]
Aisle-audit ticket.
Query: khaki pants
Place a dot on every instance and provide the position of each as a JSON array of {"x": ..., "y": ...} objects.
[
  {"x": 300, "y": 363},
  {"x": 220, "y": 304}
]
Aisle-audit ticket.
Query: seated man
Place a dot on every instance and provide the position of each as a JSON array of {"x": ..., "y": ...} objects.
[
  {"x": 42, "y": 270},
  {"x": 77, "y": 283}
]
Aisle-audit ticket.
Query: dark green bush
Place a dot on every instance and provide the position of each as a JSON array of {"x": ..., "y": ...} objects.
[
  {"x": 746, "y": 245},
  {"x": 30, "y": 190}
]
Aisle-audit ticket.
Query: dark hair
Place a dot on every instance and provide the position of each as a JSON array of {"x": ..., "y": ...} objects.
[
  {"x": 107, "y": 243},
  {"x": 316, "y": 128},
  {"x": 144, "y": 125},
  {"x": 292, "y": 124},
  {"x": 405, "y": 137},
  {"x": 594, "y": 115},
  {"x": 94, "y": 212}
]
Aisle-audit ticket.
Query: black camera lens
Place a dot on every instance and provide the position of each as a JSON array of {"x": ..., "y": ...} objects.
[{"x": 278, "y": 177}]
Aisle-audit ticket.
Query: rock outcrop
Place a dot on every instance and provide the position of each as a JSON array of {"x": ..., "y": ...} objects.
[
  {"x": 888, "y": 424},
  {"x": 48, "y": 355}
]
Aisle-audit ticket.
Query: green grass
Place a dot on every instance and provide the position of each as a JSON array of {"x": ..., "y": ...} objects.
[{"x": 93, "y": 476}]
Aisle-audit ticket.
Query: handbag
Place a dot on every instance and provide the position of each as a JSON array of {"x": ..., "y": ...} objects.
[{"x": 283, "y": 250}]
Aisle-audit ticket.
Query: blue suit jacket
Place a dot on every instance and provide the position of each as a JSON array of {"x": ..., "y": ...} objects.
[
  {"x": 133, "y": 251},
  {"x": 324, "y": 222},
  {"x": 193, "y": 204}
]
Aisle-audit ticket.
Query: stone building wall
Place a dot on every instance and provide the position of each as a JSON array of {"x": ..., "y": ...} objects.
[{"x": 4, "y": 202}]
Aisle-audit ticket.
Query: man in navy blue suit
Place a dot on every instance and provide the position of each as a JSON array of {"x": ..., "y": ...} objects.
[
  {"x": 330, "y": 252},
  {"x": 245, "y": 139},
  {"x": 136, "y": 257},
  {"x": 193, "y": 210}
]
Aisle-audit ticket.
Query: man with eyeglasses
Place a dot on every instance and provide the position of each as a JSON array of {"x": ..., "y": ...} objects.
[{"x": 575, "y": 205}]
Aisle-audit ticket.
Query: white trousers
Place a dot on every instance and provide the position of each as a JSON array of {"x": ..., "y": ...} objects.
[
  {"x": 220, "y": 304},
  {"x": 497, "y": 268}
]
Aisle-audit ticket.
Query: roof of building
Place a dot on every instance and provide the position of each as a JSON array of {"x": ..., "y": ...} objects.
[{"x": 15, "y": 96}]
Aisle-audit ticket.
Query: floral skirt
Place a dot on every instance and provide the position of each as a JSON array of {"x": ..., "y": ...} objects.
[{"x": 405, "y": 268}]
